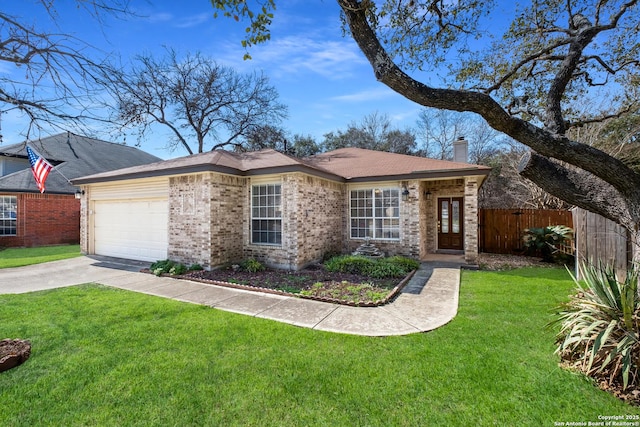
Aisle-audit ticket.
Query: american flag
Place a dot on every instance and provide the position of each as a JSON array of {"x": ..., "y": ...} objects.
[{"x": 40, "y": 168}]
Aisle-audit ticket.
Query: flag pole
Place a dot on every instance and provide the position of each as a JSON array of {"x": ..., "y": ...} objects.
[{"x": 55, "y": 168}]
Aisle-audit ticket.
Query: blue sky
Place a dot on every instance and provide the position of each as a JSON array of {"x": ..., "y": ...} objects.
[{"x": 321, "y": 76}]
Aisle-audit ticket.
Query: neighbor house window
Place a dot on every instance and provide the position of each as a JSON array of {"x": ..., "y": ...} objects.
[
  {"x": 8, "y": 215},
  {"x": 266, "y": 214},
  {"x": 375, "y": 213}
]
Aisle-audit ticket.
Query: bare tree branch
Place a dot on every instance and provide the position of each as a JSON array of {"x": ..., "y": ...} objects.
[
  {"x": 54, "y": 79},
  {"x": 201, "y": 102}
]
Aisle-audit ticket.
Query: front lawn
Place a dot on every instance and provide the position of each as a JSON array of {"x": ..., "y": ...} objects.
[
  {"x": 18, "y": 257},
  {"x": 105, "y": 356}
]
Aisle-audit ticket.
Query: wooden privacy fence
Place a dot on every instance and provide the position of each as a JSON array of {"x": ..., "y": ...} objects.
[
  {"x": 501, "y": 230},
  {"x": 600, "y": 240}
]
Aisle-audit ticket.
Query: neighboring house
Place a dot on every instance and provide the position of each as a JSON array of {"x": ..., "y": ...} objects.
[
  {"x": 29, "y": 218},
  {"x": 220, "y": 207}
]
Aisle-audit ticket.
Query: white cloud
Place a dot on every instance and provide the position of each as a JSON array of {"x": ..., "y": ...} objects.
[
  {"x": 293, "y": 55},
  {"x": 160, "y": 17},
  {"x": 193, "y": 20},
  {"x": 376, "y": 94},
  {"x": 179, "y": 21}
]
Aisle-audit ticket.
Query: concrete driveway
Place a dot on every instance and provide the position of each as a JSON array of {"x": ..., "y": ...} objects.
[{"x": 68, "y": 272}]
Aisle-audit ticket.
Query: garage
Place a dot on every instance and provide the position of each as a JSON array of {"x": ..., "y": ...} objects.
[{"x": 130, "y": 221}]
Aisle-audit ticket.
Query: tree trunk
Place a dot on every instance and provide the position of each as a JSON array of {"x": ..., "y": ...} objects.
[{"x": 596, "y": 181}]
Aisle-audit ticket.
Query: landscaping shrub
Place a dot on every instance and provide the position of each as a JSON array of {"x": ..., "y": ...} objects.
[
  {"x": 600, "y": 326},
  {"x": 252, "y": 265},
  {"x": 168, "y": 267},
  {"x": 161, "y": 267},
  {"x": 382, "y": 268},
  {"x": 545, "y": 241},
  {"x": 178, "y": 269},
  {"x": 354, "y": 264},
  {"x": 328, "y": 255},
  {"x": 408, "y": 264}
]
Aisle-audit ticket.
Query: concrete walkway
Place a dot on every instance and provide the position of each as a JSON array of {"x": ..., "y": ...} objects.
[{"x": 428, "y": 301}]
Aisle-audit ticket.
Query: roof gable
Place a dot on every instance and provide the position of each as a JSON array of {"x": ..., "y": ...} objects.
[{"x": 73, "y": 156}]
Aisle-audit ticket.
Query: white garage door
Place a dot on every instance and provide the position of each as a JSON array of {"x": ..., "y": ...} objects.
[{"x": 132, "y": 229}]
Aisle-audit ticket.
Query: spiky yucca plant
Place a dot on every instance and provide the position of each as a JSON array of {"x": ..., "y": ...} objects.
[{"x": 600, "y": 326}]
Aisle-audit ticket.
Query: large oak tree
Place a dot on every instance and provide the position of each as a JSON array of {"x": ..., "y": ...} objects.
[{"x": 559, "y": 65}]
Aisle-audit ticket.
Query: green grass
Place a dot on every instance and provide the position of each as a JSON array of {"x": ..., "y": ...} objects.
[
  {"x": 18, "y": 257},
  {"x": 104, "y": 356}
]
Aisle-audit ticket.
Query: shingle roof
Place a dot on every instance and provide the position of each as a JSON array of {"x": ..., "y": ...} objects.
[
  {"x": 250, "y": 163},
  {"x": 73, "y": 156},
  {"x": 347, "y": 164},
  {"x": 359, "y": 163}
]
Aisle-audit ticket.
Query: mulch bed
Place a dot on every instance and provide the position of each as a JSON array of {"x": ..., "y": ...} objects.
[
  {"x": 292, "y": 282},
  {"x": 631, "y": 394},
  {"x": 498, "y": 262},
  {"x": 614, "y": 386}
]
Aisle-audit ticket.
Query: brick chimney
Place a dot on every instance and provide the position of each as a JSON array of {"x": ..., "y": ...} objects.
[{"x": 461, "y": 150}]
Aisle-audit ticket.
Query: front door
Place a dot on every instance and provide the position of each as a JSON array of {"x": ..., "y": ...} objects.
[{"x": 450, "y": 223}]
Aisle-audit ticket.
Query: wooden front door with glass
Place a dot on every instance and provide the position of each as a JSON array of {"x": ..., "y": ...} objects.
[{"x": 450, "y": 223}]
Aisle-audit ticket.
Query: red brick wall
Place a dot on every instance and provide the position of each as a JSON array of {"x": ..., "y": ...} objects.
[{"x": 45, "y": 219}]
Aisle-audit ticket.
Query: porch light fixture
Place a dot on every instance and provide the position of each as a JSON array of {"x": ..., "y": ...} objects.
[
  {"x": 405, "y": 193},
  {"x": 79, "y": 193},
  {"x": 427, "y": 195}
]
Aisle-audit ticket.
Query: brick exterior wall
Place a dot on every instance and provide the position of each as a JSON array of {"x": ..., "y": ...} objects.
[
  {"x": 205, "y": 218},
  {"x": 312, "y": 223},
  {"x": 319, "y": 219},
  {"x": 471, "y": 220},
  {"x": 45, "y": 219}
]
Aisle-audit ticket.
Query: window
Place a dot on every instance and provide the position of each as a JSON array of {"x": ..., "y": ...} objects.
[
  {"x": 8, "y": 215},
  {"x": 375, "y": 213},
  {"x": 266, "y": 214}
]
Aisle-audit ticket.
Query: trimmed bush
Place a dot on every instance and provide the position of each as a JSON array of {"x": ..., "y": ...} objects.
[
  {"x": 408, "y": 264},
  {"x": 354, "y": 264},
  {"x": 396, "y": 266},
  {"x": 383, "y": 269}
]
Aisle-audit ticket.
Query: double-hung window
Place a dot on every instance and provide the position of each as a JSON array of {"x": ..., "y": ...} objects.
[
  {"x": 375, "y": 213},
  {"x": 8, "y": 215},
  {"x": 266, "y": 214}
]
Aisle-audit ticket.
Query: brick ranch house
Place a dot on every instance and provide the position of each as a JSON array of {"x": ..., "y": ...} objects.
[
  {"x": 29, "y": 218},
  {"x": 220, "y": 207}
]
